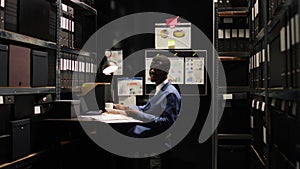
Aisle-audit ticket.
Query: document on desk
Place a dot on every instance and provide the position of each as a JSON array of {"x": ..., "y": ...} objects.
[{"x": 112, "y": 118}]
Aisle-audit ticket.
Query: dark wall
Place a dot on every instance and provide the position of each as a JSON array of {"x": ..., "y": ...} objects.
[
  {"x": 199, "y": 15},
  {"x": 189, "y": 153}
]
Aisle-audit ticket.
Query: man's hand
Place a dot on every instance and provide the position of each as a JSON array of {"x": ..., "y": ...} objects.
[
  {"x": 116, "y": 111},
  {"x": 120, "y": 107},
  {"x": 123, "y": 109}
]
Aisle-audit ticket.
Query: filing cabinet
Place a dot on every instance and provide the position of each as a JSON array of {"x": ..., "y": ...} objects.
[{"x": 20, "y": 138}]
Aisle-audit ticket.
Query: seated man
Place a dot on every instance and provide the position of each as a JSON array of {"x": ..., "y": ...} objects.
[{"x": 161, "y": 111}]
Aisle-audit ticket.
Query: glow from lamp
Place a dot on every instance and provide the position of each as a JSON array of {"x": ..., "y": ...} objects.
[{"x": 109, "y": 67}]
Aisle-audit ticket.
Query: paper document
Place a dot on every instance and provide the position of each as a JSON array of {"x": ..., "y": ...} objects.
[{"x": 112, "y": 118}]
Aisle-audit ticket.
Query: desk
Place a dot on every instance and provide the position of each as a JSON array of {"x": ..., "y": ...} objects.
[
  {"x": 104, "y": 118},
  {"x": 85, "y": 153},
  {"x": 91, "y": 123}
]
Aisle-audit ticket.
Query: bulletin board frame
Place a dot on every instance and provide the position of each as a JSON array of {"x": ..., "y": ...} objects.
[{"x": 187, "y": 82}]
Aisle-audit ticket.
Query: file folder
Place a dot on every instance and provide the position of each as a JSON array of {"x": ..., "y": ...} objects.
[
  {"x": 3, "y": 64},
  {"x": 19, "y": 66},
  {"x": 11, "y": 15},
  {"x": 39, "y": 68}
]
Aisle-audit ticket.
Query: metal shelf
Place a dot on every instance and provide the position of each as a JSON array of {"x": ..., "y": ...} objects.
[
  {"x": 76, "y": 51},
  {"x": 234, "y": 54},
  {"x": 224, "y": 14},
  {"x": 283, "y": 94},
  {"x": 80, "y": 5},
  {"x": 25, "y": 160},
  {"x": 221, "y": 9},
  {"x": 261, "y": 160},
  {"x": 259, "y": 37},
  {"x": 234, "y": 89},
  {"x": 234, "y": 136},
  {"x": 26, "y": 90},
  {"x": 12, "y": 36}
]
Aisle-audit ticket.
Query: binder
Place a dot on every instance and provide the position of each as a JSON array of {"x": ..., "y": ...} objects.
[
  {"x": 43, "y": 26},
  {"x": 11, "y": 15},
  {"x": 220, "y": 40},
  {"x": 1, "y": 18},
  {"x": 39, "y": 68},
  {"x": 276, "y": 64},
  {"x": 234, "y": 40},
  {"x": 3, "y": 65},
  {"x": 19, "y": 66},
  {"x": 227, "y": 40}
]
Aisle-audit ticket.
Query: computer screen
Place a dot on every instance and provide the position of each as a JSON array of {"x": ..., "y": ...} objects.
[{"x": 130, "y": 86}]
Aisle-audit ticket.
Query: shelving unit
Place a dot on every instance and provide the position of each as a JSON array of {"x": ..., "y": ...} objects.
[
  {"x": 22, "y": 106},
  {"x": 274, "y": 65},
  {"x": 232, "y": 37}
]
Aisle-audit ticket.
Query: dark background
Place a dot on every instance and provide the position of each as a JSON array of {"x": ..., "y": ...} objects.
[{"x": 189, "y": 153}]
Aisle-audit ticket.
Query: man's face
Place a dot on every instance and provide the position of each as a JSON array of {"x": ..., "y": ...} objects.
[{"x": 156, "y": 75}]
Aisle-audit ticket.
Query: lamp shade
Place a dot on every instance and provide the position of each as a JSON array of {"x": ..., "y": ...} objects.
[{"x": 109, "y": 67}]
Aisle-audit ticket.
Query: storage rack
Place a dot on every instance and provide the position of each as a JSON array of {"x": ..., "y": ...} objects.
[
  {"x": 274, "y": 82},
  {"x": 231, "y": 43},
  {"x": 53, "y": 88}
]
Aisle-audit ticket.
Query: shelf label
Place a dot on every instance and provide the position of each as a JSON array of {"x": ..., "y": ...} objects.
[
  {"x": 2, "y": 3},
  {"x": 227, "y": 96},
  {"x": 283, "y": 105},
  {"x": 251, "y": 122},
  {"x": 1, "y": 100},
  {"x": 273, "y": 103},
  {"x": 227, "y": 33},
  {"x": 263, "y": 106},
  {"x": 257, "y": 105},
  {"x": 264, "y": 134},
  {"x": 227, "y": 20},
  {"x": 292, "y": 21},
  {"x": 294, "y": 109},
  {"x": 241, "y": 33},
  {"x": 256, "y": 8},
  {"x": 263, "y": 55},
  {"x": 247, "y": 32},
  {"x": 297, "y": 28},
  {"x": 253, "y": 14},
  {"x": 253, "y": 103},
  {"x": 64, "y": 7},
  {"x": 37, "y": 109},
  {"x": 282, "y": 39},
  {"x": 288, "y": 45},
  {"x": 234, "y": 33},
  {"x": 268, "y": 50}
]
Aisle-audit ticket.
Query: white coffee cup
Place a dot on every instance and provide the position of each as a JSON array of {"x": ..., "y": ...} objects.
[{"x": 109, "y": 105}]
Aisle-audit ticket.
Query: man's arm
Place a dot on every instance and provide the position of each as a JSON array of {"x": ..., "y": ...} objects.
[{"x": 166, "y": 119}]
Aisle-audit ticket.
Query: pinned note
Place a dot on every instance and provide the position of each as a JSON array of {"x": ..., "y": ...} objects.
[
  {"x": 1, "y": 100},
  {"x": 227, "y": 96},
  {"x": 172, "y": 22},
  {"x": 37, "y": 109},
  {"x": 171, "y": 44}
]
